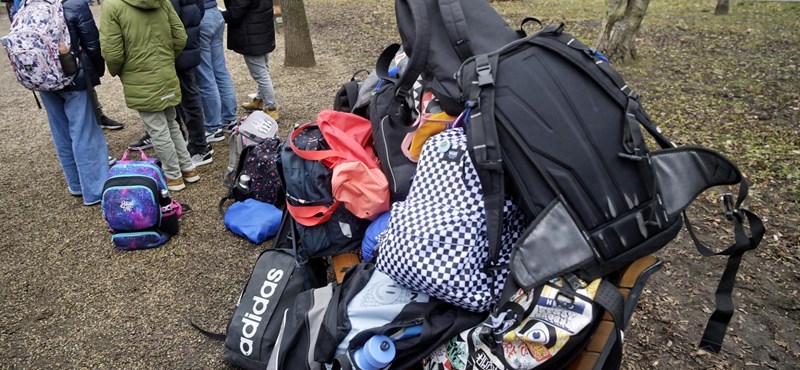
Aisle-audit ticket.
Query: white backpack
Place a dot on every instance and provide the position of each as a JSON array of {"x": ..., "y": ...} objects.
[{"x": 32, "y": 45}]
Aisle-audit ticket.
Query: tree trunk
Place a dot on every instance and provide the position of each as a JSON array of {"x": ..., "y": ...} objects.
[
  {"x": 722, "y": 7},
  {"x": 620, "y": 26},
  {"x": 296, "y": 35}
]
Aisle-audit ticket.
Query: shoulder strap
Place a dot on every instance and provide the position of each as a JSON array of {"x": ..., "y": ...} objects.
[
  {"x": 484, "y": 143},
  {"x": 239, "y": 166},
  {"x": 719, "y": 320},
  {"x": 416, "y": 60},
  {"x": 456, "y": 26},
  {"x": 216, "y": 336}
]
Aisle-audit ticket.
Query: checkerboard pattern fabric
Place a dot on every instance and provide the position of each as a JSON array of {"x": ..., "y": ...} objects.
[{"x": 436, "y": 239}]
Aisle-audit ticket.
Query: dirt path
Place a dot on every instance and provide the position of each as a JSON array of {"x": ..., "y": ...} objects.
[{"x": 67, "y": 299}]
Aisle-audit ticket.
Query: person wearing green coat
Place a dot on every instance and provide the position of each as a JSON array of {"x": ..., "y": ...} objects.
[{"x": 140, "y": 40}]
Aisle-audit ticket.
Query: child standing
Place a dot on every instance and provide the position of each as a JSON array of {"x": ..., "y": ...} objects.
[{"x": 140, "y": 40}]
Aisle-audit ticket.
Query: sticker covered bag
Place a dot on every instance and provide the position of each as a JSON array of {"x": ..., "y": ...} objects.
[{"x": 554, "y": 321}]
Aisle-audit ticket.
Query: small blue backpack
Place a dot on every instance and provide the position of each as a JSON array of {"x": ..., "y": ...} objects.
[{"x": 137, "y": 205}]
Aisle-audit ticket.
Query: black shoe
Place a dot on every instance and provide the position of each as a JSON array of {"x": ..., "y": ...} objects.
[
  {"x": 144, "y": 143},
  {"x": 227, "y": 126},
  {"x": 201, "y": 159},
  {"x": 110, "y": 124},
  {"x": 217, "y": 135}
]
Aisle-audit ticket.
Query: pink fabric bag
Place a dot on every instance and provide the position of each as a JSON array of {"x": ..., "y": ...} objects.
[{"x": 358, "y": 182}]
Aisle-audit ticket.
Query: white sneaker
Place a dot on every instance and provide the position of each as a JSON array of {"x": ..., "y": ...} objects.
[{"x": 111, "y": 160}]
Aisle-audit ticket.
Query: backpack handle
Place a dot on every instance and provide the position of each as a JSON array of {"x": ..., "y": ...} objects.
[
  {"x": 141, "y": 152},
  {"x": 311, "y": 155},
  {"x": 357, "y": 73}
]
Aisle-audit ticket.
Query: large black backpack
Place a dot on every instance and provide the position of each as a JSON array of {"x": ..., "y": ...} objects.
[{"x": 553, "y": 117}]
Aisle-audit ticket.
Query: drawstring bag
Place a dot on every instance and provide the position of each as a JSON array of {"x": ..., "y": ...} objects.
[{"x": 257, "y": 221}]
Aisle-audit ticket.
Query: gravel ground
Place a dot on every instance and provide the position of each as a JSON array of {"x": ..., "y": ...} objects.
[{"x": 69, "y": 300}]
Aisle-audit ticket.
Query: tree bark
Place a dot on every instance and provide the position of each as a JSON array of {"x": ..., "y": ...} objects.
[
  {"x": 722, "y": 7},
  {"x": 620, "y": 27},
  {"x": 296, "y": 35}
]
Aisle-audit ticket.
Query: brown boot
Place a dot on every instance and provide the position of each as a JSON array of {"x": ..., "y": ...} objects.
[
  {"x": 190, "y": 176},
  {"x": 256, "y": 104},
  {"x": 273, "y": 112},
  {"x": 175, "y": 184}
]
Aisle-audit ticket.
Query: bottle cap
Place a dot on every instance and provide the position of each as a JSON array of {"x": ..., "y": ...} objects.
[
  {"x": 244, "y": 180},
  {"x": 377, "y": 353}
]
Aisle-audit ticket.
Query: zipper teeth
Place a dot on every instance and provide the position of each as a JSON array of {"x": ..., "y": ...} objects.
[
  {"x": 151, "y": 165},
  {"x": 386, "y": 150}
]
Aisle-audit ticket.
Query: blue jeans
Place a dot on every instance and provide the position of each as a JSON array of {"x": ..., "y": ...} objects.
[
  {"x": 259, "y": 70},
  {"x": 79, "y": 142},
  {"x": 213, "y": 79}
]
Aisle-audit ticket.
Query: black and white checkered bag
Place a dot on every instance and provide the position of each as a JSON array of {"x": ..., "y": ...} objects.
[{"x": 436, "y": 239}]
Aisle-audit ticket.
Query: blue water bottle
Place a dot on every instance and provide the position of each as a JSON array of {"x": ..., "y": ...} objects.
[{"x": 376, "y": 354}]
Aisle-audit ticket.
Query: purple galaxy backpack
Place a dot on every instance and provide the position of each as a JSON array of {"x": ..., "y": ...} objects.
[{"x": 137, "y": 204}]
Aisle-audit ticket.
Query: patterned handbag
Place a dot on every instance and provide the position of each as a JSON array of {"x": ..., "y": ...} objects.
[{"x": 436, "y": 239}]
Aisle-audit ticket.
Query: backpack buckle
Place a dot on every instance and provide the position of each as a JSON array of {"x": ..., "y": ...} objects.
[
  {"x": 401, "y": 94},
  {"x": 731, "y": 211},
  {"x": 484, "y": 74}
]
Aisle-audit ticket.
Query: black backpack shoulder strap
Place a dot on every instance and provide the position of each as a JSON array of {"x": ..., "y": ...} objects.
[
  {"x": 216, "y": 336},
  {"x": 456, "y": 26},
  {"x": 239, "y": 166},
  {"x": 416, "y": 60},
  {"x": 484, "y": 144},
  {"x": 719, "y": 320}
]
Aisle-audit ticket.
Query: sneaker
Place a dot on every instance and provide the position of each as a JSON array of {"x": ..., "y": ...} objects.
[
  {"x": 144, "y": 143},
  {"x": 273, "y": 112},
  {"x": 227, "y": 126},
  {"x": 190, "y": 176},
  {"x": 175, "y": 184},
  {"x": 212, "y": 137},
  {"x": 111, "y": 160},
  {"x": 255, "y": 104},
  {"x": 110, "y": 124},
  {"x": 200, "y": 159}
]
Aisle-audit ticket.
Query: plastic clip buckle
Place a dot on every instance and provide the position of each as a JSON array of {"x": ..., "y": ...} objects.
[
  {"x": 484, "y": 75},
  {"x": 730, "y": 211},
  {"x": 401, "y": 95}
]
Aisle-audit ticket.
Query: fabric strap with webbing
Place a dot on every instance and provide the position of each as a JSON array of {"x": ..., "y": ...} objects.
[{"x": 416, "y": 63}]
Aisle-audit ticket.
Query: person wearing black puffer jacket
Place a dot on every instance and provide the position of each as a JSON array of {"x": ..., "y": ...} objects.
[
  {"x": 190, "y": 110},
  {"x": 251, "y": 32},
  {"x": 78, "y": 139}
]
